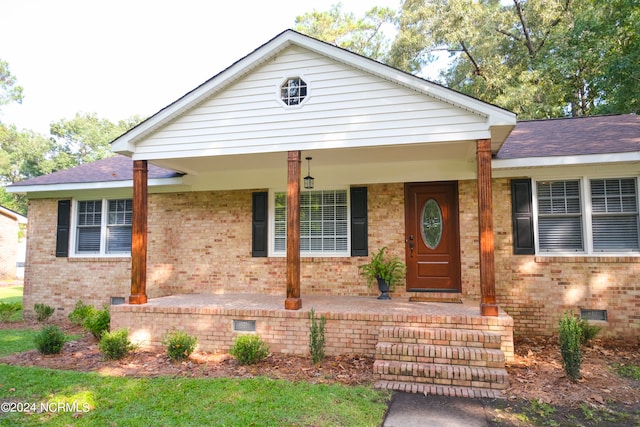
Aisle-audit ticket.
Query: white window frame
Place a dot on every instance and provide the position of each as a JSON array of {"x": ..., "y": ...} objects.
[
  {"x": 73, "y": 243},
  {"x": 272, "y": 220},
  {"x": 586, "y": 215}
]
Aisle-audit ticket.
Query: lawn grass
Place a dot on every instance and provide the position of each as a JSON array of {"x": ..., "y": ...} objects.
[
  {"x": 185, "y": 401},
  {"x": 12, "y": 294},
  {"x": 16, "y": 340}
]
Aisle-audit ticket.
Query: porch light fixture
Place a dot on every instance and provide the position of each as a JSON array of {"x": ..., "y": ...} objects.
[{"x": 308, "y": 180}]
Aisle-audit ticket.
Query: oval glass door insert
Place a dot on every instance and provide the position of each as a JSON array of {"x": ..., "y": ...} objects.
[{"x": 431, "y": 224}]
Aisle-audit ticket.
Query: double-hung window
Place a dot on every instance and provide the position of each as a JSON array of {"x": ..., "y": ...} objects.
[
  {"x": 588, "y": 216},
  {"x": 324, "y": 223},
  {"x": 103, "y": 227}
]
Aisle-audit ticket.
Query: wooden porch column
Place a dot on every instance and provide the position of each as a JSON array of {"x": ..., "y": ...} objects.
[
  {"x": 139, "y": 234},
  {"x": 293, "y": 301},
  {"x": 488, "y": 305}
]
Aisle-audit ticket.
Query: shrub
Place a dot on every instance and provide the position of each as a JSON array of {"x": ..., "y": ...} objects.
[
  {"x": 179, "y": 345},
  {"x": 8, "y": 309},
  {"x": 115, "y": 345},
  {"x": 80, "y": 313},
  {"x": 570, "y": 338},
  {"x": 49, "y": 340},
  {"x": 249, "y": 349},
  {"x": 43, "y": 312},
  {"x": 98, "y": 322},
  {"x": 316, "y": 337},
  {"x": 588, "y": 332}
]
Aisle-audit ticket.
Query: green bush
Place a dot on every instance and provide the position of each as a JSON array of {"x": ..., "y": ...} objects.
[
  {"x": 8, "y": 309},
  {"x": 43, "y": 312},
  {"x": 179, "y": 345},
  {"x": 50, "y": 340},
  {"x": 249, "y": 349},
  {"x": 80, "y": 313},
  {"x": 570, "y": 340},
  {"x": 98, "y": 322},
  {"x": 589, "y": 332},
  {"x": 316, "y": 337},
  {"x": 115, "y": 345}
]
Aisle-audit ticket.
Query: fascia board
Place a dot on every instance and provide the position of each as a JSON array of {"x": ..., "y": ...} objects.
[
  {"x": 587, "y": 159},
  {"x": 25, "y": 189}
]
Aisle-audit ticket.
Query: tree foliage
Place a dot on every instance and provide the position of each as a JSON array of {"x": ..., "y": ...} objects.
[
  {"x": 86, "y": 137},
  {"x": 10, "y": 91},
  {"x": 360, "y": 35}
]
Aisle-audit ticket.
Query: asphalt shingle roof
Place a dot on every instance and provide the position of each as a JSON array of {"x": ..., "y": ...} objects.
[
  {"x": 116, "y": 168},
  {"x": 573, "y": 136}
]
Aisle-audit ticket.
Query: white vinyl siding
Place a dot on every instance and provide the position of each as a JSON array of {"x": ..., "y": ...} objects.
[
  {"x": 103, "y": 227},
  {"x": 324, "y": 223},
  {"x": 346, "y": 107},
  {"x": 588, "y": 215}
]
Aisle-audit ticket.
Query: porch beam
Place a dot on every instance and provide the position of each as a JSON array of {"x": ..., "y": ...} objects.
[
  {"x": 293, "y": 301},
  {"x": 488, "y": 305},
  {"x": 139, "y": 234}
]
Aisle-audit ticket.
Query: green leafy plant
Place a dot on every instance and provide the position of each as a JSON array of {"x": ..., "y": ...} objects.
[
  {"x": 98, "y": 322},
  {"x": 570, "y": 339},
  {"x": 179, "y": 345},
  {"x": 8, "y": 310},
  {"x": 43, "y": 312},
  {"x": 249, "y": 349},
  {"x": 589, "y": 332},
  {"x": 392, "y": 270},
  {"x": 49, "y": 340},
  {"x": 80, "y": 313},
  {"x": 116, "y": 345},
  {"x": 316, "y": 337}
]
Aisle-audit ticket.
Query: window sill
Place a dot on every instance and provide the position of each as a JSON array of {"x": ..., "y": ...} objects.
[
  {"x": 587, "y": 259},
  {"x": 99, "y": 258}
]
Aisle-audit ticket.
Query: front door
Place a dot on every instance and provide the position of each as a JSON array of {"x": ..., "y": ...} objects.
[{"x": 432, "y": 237}]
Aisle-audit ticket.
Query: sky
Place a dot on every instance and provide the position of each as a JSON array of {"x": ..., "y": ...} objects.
[{"x": 119, "y": 58}]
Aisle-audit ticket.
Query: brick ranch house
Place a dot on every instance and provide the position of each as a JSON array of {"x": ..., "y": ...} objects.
[{"x": 203, "y": 222}]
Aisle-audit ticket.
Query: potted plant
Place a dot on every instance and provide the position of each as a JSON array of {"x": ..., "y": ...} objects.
[{"x": 386, "y": 271}]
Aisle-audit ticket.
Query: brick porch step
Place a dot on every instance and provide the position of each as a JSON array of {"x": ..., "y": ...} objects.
[
  {"x": 441, "y": 374},
  {"x": 429, "y": 353},
  {"x": 439, "y": 336},
  {"x": 439, "y": 390}
]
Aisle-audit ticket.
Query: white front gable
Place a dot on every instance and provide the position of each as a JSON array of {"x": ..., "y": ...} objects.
[{"x": 354, "y": 108}]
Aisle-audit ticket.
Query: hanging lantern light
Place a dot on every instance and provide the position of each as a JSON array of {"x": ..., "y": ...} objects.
[{"x": 308, "y": 180}]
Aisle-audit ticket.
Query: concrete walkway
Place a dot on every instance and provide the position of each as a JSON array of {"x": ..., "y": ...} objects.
[{"x": 418, "y": 410}]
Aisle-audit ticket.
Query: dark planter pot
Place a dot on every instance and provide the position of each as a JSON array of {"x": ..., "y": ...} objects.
[{"x": 383, "y": 286}]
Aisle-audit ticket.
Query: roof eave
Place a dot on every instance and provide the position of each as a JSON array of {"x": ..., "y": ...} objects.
[
  {"x": 80, "y": 186},
  {"x": 578, "y": 160}
]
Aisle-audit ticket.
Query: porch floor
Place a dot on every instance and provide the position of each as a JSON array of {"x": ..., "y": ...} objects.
[{"x": 320, "y": 303}]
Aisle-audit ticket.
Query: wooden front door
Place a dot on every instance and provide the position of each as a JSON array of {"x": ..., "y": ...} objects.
[{"x": 432, "y": 237}]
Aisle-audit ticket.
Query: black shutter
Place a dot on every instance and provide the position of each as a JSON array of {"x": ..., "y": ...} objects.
[
  {"x": 359, "y": 228},
  {"x": 64, "y": 225},
  {"x": 259, "y": 224},
  {"x": 522, "y": 217}
]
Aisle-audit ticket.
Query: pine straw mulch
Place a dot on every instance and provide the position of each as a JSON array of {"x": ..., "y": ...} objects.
[{"x": 535, "y": 374}]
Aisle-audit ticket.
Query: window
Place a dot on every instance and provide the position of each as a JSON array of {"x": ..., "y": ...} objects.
[
  {"x": 324, "y": 222},
  {"x": 588, "y": 215},
  {"x": 103, "y": 227},
  {"x": 293, "y": 91}
]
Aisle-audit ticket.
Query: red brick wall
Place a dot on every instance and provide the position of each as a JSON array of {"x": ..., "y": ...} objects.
[{"x": 201, "y": 242}]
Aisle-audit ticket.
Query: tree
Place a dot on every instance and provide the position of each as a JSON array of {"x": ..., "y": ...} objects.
[
  {"x": 9, "y": 89},
  {"x": 544, "y": 58},
  {"x": 364, "y": 36},
  {"x": 86, "y": 138}
]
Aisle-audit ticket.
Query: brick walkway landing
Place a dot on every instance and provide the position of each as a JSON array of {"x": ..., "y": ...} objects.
[{"x": 418, "y": 346}]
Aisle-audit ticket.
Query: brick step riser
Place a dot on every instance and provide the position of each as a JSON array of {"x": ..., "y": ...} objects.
[
  {"x": 438, "y": 390},
  {"x": 425, "y": 353},
  {"x": 442, "y": 375},
  {"x": 440, "y": 336}
]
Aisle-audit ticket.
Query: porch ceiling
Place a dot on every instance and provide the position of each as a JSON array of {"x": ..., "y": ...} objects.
[{"x": 331, "y": 166}]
